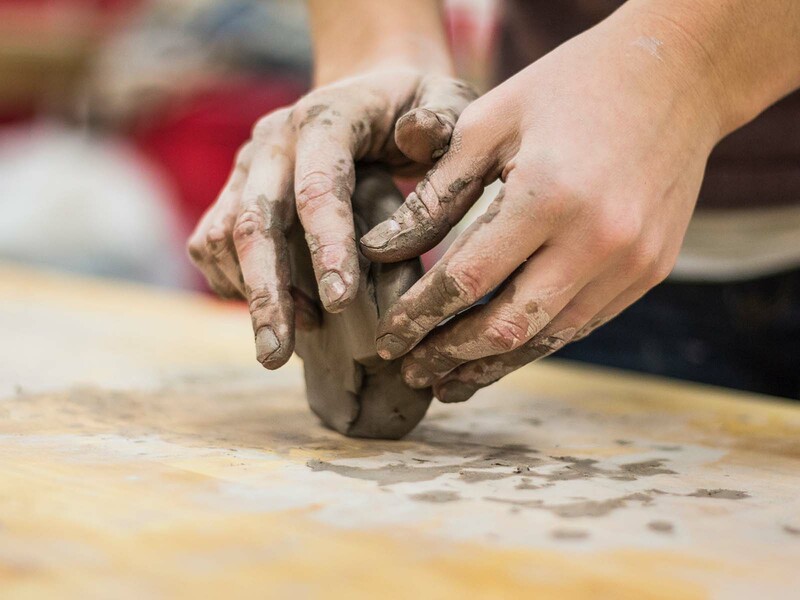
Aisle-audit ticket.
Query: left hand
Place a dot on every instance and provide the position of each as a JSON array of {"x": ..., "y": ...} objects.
[{"x": 602, "y": 146}]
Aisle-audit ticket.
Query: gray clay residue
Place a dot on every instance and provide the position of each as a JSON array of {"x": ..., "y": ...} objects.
[
  {"x": 530, "y": 471},
  {"x": 586, "y": 508},
  {"x": 585, "y": 468},
  {"x": 436, "y": 496},
  {"x": 660, "y": 526},
  {"x": 791, "y": 530},
  {"x": 720, "y": 493},
  {"x": 569, "y": 534},
  {"x": 495, "y": 463}
]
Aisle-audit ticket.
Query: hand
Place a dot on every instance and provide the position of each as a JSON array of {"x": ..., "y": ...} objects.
[
  {"x": 303, "y": 157},
  {"x": 601, "y": 146}
]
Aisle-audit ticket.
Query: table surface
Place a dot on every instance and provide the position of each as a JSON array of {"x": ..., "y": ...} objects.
[{"x": 145, "y": 453}]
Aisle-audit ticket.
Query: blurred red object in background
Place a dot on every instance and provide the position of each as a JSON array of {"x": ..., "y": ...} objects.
[{"x": 197, "y": 142}]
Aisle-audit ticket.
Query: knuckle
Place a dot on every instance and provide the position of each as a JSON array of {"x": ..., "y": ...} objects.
[
  {"x": 463, "y": 281},
  {"x": 643, "y": 257},
  {"x": 258, "y": 299},
  {"x": 418, "y": 206},
  {"x": 508, "y": 332},
  {"x": 313, "y": 188},
  {"x": 612, "y": 235},
  {"x": 439, "y": 359},
  {"x": 215, "y": 241},
  {"x": 268, "y": 125},
  {"x": 319, "y": 245},
  {"x": 196, "y": 249},
  {"x": 248, "y": 224},
  {"x": 659, "y": 273},
  {"x": 472, "y": 117},
  {"x": 242, "y": 160},
  {"x": 308, "y": 108}
]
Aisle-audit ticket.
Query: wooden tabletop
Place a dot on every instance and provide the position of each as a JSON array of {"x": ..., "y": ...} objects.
[{"x": 144, "y": 453}]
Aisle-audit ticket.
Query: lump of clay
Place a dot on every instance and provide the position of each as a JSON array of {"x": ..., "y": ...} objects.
[{"x": 348, "y": 385}]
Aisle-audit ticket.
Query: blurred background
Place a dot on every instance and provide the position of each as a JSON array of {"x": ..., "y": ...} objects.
[{"x": 119, "y": 119}]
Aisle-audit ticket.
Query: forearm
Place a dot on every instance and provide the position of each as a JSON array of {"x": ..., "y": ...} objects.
[
  {"x": 354, "y": 36},
  {"x": 747, "y": 52}
]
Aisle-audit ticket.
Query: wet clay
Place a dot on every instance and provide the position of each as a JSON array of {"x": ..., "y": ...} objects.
[{"x": 348, "y": 386}]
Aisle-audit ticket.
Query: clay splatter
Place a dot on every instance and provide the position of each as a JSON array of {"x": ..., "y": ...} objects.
[
  {"x": 436, "y": 496},
  {"x": 720, "y": 493},
  {"x": 569, "y": 534},
  {"x": 660, "y": 526},
  {"x": 791, "y": 530},
  {"x": 587, "y": 508},
  {"x": 498, "y": 463}
]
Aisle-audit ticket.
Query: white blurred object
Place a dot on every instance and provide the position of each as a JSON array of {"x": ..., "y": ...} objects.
[{"x": 75, "y": 202}]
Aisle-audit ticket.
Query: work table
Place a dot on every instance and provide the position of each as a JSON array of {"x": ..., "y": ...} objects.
[{"x": 145, "y": 453}]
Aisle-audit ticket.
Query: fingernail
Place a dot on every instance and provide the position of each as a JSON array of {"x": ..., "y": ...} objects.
[
  {"x": 390, "y": 346},
  {"x": 455, "y": 391},
  {"x": 331, "y": 288},
  {"x": 267, "y": 344},
  {"x": 381, "y": 234},
  {"x": 417, "y": 376}
]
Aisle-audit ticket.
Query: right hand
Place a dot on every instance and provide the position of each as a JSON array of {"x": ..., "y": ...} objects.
[{"x": 303, "y": 157}]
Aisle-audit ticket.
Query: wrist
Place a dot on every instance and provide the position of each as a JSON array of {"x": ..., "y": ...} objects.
[
  {"x": 673, "y": 65},
  {"x": 358, "y": 36},
  {"x": 739, "y": 55},
  {"x": 410, "y": 51}
]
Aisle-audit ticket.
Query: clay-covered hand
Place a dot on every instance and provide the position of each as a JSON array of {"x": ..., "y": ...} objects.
[
  {"x": 301, "y": 159},
  {"x": 601, "y": 146}
]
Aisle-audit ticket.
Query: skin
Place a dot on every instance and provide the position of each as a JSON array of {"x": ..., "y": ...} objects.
[
  {"x": 601, "y": 146},
  {"x": 300, "y": 160}
]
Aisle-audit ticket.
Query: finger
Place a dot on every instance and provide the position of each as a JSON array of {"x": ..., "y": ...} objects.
[
  {"x": 260, "y": 239},
  {"x": 324, "y": 182},
  {"x": 525, "y": 306},
  {"x": 211, "y": 244},
  {"x": 200, "y": 256},
  {"x": 589, "y": 310},
  {"x": 611, "y": 310},
  {"x": 462, "y": 383},
  {"x": 438, "y": 203},
  {"x": 483, "y": 256},
  {"x": 423, "y": 133},
  {"x": 219, "y": 236}
]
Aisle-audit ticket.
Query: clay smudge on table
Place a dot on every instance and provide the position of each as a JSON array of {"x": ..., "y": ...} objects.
[
  {"x": 496, "y": 464},
  {"x": 720, "y": 493},
  {"x": 791, "y": 530},
  {"x": 586, "y": 508},
  {"x": 436, "y": 496},
  {"x": 492, "y": 464},
  {"x": 660, "y": 526},
  {"x": 586, "y": 468},
  {"x": 569, "y": 534},
  {"x": 478, "y": 476},
  {"x": 526, "y": 484},
  {"x": 646, "y": 468}
]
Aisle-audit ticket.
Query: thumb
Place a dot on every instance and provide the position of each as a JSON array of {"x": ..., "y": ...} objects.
[{"x": 423, "y": 133}]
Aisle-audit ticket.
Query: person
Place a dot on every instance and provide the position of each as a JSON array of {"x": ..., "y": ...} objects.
[{"x": 601, "y": 140}]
